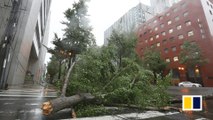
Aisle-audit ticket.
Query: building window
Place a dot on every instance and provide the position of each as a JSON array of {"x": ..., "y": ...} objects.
[
  {"x": 151, "y": 39},
  {"x": 155, "y": 21},
  {"x": 200, "y": 25},
  {"x": 175, "y": 10},
  {"x": 171, "y": 39},
  {"x": 180, "y": 37},
  {"x": 211, "y": 6},
  {"x": 168, "y": 60},
  {"x": 164, "y": 41},
  {"x": 174, "y": 49},
  {"x": 156, "y": 28},
  {"x": 185, "y": 14},
  {"x": 175, "y": 74},
  {"x": 152, "y": 46},
  {"x": 202, "y": 31},
  {"x": 146, "y": 41},
  {"x": 169, "y": 22},
  {"x": 179, "y": 27},
  {"x": 158, "y": 44},
  {"x": 162, "y": 25},
  {"x": 144, "y": 27},
  {"x": 144, "y": 33},
  {"x": 181, "y": 47},
  {"x": 166, "y": 50},
  {"x": 163, "y": 33},
  {"x": 150, "y": 31},
  {"x": 190, "y": 33},
  {"x": 183, "y": 5},
  {"x": 210, "y": 12},
  {"x": 177, "y": 18},
  {"x": 207, "y": 2},
  {"x": 203, "y": 36},
  {"x": 175, "y": 59},
  {"x": 161, "y": 17},
  {"x": 188, "y": 23},
  {"x": 168, "y": 14},
  {"x": 157, "y": 36},
  {"x": 170, "y": 30}
]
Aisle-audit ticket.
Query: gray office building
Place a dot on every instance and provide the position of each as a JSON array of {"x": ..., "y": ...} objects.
[
  {"x": 130, "y": 20},
  {"x": 24, "y": 26}
]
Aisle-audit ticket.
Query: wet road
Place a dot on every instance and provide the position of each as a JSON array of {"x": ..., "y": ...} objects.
[
  {"x": 206, "y": 92},
  {"x": 24, "y": 104}
]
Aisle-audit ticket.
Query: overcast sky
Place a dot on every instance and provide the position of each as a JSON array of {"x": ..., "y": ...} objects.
[{"x": 102, "y": 14}]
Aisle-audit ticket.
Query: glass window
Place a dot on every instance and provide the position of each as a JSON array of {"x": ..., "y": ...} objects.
[
  {"x": 175, "y": 10},
  {"x": 163, "y": 33},
  {"x": 210, "y": 12},
  {"x": 156, "y": 28},
  {"x": 168, "y": 14},
  {"x": 166, "y": 50},
  {"x": 167, "y": 60},
  {"x": 146, "y": 41},
  {"x": 150, "y": 31},
  {"x": 161, "y": 17},
  {"x": 144, "y": 27},
  {"x": 183, "y": 5},
  {"x": 188, "y": 23},
  {"x": 175, "y": 74},
  {"x": 190, "y": 33},
  {"x": 144, "y": 33},
  {"x": 180, "y": 37},
  {"x": 207, "y": 2},
  {"x": 202, "y": 31},
  {"x": 177, "y": 18},
  {"x": 164, "y": 41},
  {"x": 155, "y": 21},
  {"x": 175, "y": 59},
  {"x": 169, "y": 22},
  {"x": 158, "y": 44},
  {"x": 185, "y": 14},
  {"x": 170, "y": 30},
  {"x": 203, "y": 36},
  {"x": 174, "y": 49},
  {"x": 151, "y": 39},
  {"x": 157, "y": 36},
  {"x": 200, "y": 25},
  {"x": 171, "y": 39},
  {"x": 152, "y": 46},
  {"x": 162, "y": 25},
  {"x": 179, "y": 27},
  {"x": 181, "y": 46}
]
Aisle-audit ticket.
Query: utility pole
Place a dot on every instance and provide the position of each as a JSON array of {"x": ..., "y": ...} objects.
[{"x": 7, "y": 40}]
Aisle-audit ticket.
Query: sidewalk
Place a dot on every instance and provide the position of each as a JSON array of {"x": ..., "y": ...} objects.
[{"x": 29, "y": 90}]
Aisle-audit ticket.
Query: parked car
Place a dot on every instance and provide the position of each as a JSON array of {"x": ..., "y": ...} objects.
[{"x": 189, "y": 84}]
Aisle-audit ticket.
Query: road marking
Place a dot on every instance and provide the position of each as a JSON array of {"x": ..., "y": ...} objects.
[
  {"x": 202, "y": 119},
  {"x": 32, "y": 104},
  {"x": 8, "y": 103}
]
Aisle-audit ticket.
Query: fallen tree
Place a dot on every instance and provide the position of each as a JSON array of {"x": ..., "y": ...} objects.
[{"x": 60, "y": 103}]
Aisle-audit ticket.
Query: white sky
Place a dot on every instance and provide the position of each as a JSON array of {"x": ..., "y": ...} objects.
[{"x": 102, "y": 14}]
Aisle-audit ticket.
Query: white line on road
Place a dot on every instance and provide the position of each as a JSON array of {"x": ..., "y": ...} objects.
[{"x": 8, "y": 103}]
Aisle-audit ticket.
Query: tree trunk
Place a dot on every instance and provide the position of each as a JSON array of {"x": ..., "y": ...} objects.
[
  {"x": 60, "y": 103},
  {"x": 155, "y": 78},
  {"x": 59, "y": 74},
  {"x": 63, "y": 93}
]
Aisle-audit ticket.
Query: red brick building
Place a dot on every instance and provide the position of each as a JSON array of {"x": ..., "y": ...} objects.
[{"x": 188, "y": 20}]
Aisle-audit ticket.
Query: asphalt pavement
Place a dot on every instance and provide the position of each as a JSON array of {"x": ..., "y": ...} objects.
[{"x": 24, "y": 103}]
